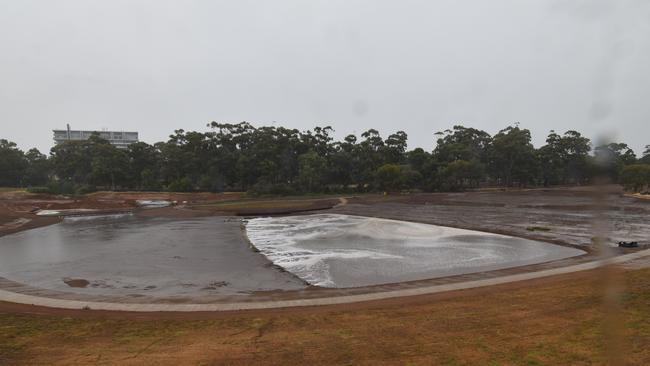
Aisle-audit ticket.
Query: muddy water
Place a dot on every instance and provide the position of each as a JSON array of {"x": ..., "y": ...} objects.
[
  {"x": 333, "y": 250},
  {"x": 126, "y": 255},
  {"x": 205, "y": 258}
]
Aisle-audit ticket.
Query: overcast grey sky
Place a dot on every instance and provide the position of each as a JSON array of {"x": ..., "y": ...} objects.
[{"x": 418, "y": 66}]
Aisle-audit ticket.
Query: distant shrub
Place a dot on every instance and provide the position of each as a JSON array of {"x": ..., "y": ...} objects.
[
  {"x": 181, "y": 185},
  {"x": 389, "y": 177},
  {"x": 148, "y": 181},
  {"x": 61, "y": 187},
  {"x": 39, "y": 189},
  {"x": 85, "y": 188},
  {"x": 537, "y": 228},
  {"x": 635, "y": 177},
  {"x": 210, "y": 184},
  {"x": 265, "y": 188}
]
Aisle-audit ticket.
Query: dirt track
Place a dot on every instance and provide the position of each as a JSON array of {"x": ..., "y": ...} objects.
[{"x": 554, "y": 321}]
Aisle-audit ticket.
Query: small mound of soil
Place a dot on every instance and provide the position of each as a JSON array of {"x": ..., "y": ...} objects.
[{"x": 76, "y": 282}]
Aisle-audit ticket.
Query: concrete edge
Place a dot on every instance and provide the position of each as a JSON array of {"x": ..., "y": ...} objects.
[{"x": 12, "y": 297}]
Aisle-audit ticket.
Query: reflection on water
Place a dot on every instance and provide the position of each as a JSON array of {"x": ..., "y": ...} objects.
[{"x": 349, "y": 251}]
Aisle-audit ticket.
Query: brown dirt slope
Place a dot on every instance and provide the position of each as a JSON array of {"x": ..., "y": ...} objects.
[{"x": 557, "y": 321}]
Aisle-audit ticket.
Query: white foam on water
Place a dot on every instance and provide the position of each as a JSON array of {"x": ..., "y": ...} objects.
[
  {"x": 365, "y": 247},
  {"x": 279, "y": 238},
  {"x": 96, "y": 217},
  {"x": 48, "y": 213},
  {"x": 64, "y": 211}
]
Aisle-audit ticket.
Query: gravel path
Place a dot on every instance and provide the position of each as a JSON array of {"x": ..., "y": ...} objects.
[{"x": 72, "y": 304}]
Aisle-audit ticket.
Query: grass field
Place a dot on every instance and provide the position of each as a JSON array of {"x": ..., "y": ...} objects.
[{"x": 558, "y": 322}]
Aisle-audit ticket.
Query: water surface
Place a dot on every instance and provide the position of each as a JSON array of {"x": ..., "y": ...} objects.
[
  {"x": 334, "y": 250},
  {"x": 123, "y": 254}
]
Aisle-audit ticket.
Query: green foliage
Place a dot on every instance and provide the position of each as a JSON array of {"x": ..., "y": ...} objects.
[
  {"x": 211, "y": 182},
  {"x": 393, "y": 177},
  {"x": 389, "y": 177},
  {"x": 512, "y": 157},
  {"x": 461, "y": 174},
  {"x": 264, "y": 188},
  {"x": 565, "y": 159},
  {"x": 85, "y": 189},
  {"x": 645, "y": 159},
  {"x": 12, "y": 164},
  {"x": 37, "y": 189},
  {"x": 108, "y": 165},
  {"x": 181, "y": 185},
  {"x": 538, "y": 228},
  {"x": 462, "y": 143},
  {"x": 72, "y": 160},
  {"x": 311, "y": 171},
  {"x": 61, "y": 187},
  {"x": 636, "y": 177},
  {"x": 276, "y": 160},
  {"x": 147, "y": 181},
  {"x": 143, "y": 161},
  {"x": 611, "y": 158},
  {"x": 38, "y": 169}
]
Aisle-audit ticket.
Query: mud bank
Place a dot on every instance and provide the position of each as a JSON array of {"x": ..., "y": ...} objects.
[{"x": 566, "y": 216}]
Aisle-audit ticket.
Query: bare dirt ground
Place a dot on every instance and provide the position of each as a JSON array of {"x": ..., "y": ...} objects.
[
  {"x": 18, "y": 208},
  {"x": 563, "y": 216},
  {"x": 555, "y": 321}
]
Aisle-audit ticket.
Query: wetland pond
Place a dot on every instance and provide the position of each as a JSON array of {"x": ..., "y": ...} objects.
[{"x": 125, "y": 255}]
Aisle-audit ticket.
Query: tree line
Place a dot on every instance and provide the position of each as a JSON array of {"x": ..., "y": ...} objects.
[{"x": 278, "y": 160}]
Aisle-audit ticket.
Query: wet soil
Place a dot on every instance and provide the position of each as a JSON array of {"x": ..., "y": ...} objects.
[
  {"x": 563, "y": 216},
  {"x": 76, "y": 282}
]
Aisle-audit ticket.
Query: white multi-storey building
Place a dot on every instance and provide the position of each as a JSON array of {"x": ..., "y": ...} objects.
[{"x": 119, "y": 139}]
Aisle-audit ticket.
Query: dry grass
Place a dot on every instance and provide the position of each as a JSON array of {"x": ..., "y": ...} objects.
[{"x": 555, "y": 323}]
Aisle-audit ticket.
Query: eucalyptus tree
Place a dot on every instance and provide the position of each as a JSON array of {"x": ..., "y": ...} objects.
[
  {"x": 395, "y": 148},
  {"x": 143, "y": 166},
  {"x": 612, "y": 158},
  {"x": 12, "y": 164},
  {"x": 565, "y": 159},
  {"x": 462, "y": 143},
  {"x": 636, "y": 177},
  {"x": 513, "y": 158},
  {"x": 38, "y": 171},
  {"x": 645, "y": 159}
]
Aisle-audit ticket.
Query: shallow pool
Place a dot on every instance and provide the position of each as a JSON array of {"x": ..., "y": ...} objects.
[
  {"x": 132, "y": 256},
  {"x": 203, "y": 259}
]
